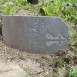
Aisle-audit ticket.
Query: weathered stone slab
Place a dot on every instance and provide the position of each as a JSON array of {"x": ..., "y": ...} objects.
[{"x": 35, "y": 34}]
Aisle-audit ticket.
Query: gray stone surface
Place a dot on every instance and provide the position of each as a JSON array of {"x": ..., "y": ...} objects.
[{"x": 35, "y": 34}]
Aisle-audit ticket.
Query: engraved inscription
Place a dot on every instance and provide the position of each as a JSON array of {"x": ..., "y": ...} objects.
[
  {"x": 32, "y": 30},
  {"x": 36, "y": 23},
  {"x": 35, "y": 26},
  {"x": 42, "y": 28},
  {"x": 59, "y": 39}
]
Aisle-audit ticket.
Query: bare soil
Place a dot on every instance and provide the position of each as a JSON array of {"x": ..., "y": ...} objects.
[{"x": 15, "y": 63}]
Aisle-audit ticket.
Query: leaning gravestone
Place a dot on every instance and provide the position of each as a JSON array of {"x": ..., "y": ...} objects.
[{"x": 35, "y": 34}]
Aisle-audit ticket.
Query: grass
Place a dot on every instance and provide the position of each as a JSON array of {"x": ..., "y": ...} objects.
[
  {"x": 21, "y": 57},
  {"x": 72, "y": 72},
  {"x": 53, "y": 74}
]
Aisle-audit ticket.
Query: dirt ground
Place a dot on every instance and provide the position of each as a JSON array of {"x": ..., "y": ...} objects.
[{"x": 15, "y": 63}]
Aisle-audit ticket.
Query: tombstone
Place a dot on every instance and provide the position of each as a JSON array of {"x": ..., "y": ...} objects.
[
  {"x": 33, "y": 1},
  {"x": 35, "y": 34}
]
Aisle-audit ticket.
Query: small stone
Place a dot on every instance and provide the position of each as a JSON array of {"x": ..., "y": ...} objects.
[
  {"x": 33, "y": 1},
  {"x": 42, "y": 11}
]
